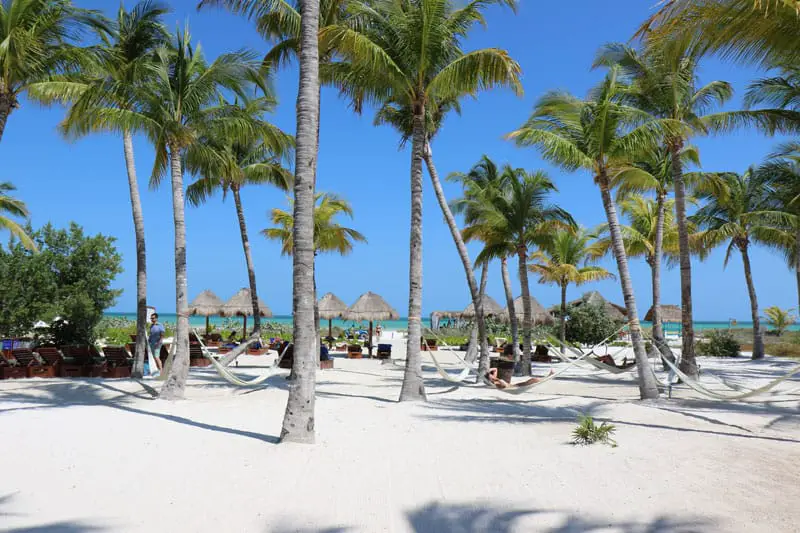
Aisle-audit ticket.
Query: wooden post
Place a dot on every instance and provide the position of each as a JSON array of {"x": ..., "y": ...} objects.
[{"x": 370, "y": 338}]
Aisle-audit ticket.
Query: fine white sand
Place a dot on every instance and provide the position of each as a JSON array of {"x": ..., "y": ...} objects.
[{"x": 94, "y": 455}]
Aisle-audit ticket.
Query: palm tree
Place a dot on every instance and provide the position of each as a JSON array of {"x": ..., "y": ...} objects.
[
  {"x": 126, "y": 60},
  {"x": 14, "y": 208},
  {"x": 652, "y": 172},
  {"x": 228, "y": 162},
  {"x": 564, "y": 258},
  {"x": 38, "y": 42},
  {"x": 664, "y": 83},
  {"x": 596, "y": 135},
  {"x": 740, "y": 212},
  {"x": 410, "y": 54},
  {"x": 517, "y": 216}
]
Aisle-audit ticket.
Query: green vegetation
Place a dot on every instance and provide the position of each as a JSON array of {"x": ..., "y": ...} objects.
[
  {"x": 589, "y": 324},
  {"x": 719, "y": 343},
  {"x": 780, "y": 319},
  {"x": 588, "y": 432},
  {"x": 69, "y": 277}
]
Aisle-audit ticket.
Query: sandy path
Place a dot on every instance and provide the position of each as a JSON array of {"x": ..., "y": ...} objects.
[{"x": 88, "y": 455}]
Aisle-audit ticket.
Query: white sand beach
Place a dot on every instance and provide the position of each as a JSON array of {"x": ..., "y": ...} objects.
[{"x": 101, "y": 455}]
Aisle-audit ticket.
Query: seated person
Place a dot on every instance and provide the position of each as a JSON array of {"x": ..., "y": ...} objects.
[
  {"x": 607, "y": 359},
  {"x": 503, "y": 384}
]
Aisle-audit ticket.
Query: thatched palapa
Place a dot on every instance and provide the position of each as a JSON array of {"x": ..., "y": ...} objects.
[
  {"x": 330, "y": 307},
  {"x": 669, "y": 313},
  {"x": 371, "y": 306},
  {"x": 241, "y": 304},
  {"x": 206, "y": 304},
  {"x": 538, "y": 313},
  {"x": 617, "y": 312},
  {"x": 490, "y": 308}
]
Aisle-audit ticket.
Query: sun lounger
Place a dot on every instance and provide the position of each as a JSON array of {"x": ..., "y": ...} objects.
[
  {"x": 118, "y": 363},
  {"x": 81, "y": 361},
  {"x": 33, "y": 368},
  {"x": 9, "y": 369},
  {"x": 52, "y": 357},
  {"x": 354, "y": 351},
  {"x": 384, "y": 351},
  {"x": 197, "y": 357}
]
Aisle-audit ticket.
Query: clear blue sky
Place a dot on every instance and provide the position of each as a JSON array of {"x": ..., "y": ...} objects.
[{"x": 85, "y": 181}]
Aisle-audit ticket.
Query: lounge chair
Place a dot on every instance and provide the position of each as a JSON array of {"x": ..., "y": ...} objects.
[
  {"x": 81, "y": 361},
  {"x": 354, "y": 351},
  {"x": 118, "y": 363},
  {"x": 431, "y": 343},
  {"x": 384, "y": 351},
  {"x": 51, "y": 356},
  {"x": 33, "y": 368},
  {"x": 197, "y": 356},
  {"x": 9, "y": 369}
]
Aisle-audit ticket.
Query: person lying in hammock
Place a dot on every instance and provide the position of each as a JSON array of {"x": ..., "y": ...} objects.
[
  {"x": 503, "y": 384},
  {"x": 607, "y": 359}
]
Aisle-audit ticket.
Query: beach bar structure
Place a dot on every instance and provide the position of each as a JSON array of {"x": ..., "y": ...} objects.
[
  {"x": 241, "y": 304},
  {"x": 371, "y": 307}
]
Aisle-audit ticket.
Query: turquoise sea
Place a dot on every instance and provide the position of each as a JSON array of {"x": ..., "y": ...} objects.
[{"x": 402, "y": 324}]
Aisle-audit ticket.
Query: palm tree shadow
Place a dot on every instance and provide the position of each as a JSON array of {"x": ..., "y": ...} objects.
[{"x": 54, "y": 527}]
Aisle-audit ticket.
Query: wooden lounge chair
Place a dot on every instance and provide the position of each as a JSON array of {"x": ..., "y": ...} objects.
[
  {"x": 431, "y": 345},
  {"x": 384, "y": 351},
  {"x": 9, "y": 369},
  {"x": 197, "y": 357},
  {"x": 33, "y": 368},
  {"x": 118, "y": 363},
  {"x": 81, "y": 361},
  {"x": 354, "y": 351},
  {"x": 213, "y": 340},
  {"x": 52, "y": 357}
]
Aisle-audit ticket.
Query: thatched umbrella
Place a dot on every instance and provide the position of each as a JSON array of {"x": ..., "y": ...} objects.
[
  {"x": 330, "y": 307},
  {"x": 371, "y": 306},
  {"x": 241, "y": 304},
  {"x": 669, "y": 313},
  {"x": 206, "y": 304},
  {"x": 617, "y": 312},
  {"x": 538, "y": 313},
  {"x": 490, "y": 308}
]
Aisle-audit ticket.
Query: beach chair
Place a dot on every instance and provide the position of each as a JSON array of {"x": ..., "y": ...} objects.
[
  {"x": 354, "y": 351},
  {"x": 118, "y": 363},
  {"x": 9, "y": 369},
  {"x": 213, "y": 340},
  {"x": 384, "y": 351},
  {"x": 431, "y": 343},
  {"x": 33, "y": 368},
  {"x": 81, "y": 360},
  {"x": 197, "y": 357},
  {"x": 52, "y": 357}
]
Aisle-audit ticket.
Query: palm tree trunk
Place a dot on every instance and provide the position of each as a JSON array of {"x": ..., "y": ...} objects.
[
  {"x": 527, "y": 319},
  {"x": 658, "y": 327},
  {"x": 174, "y": 387},
  {"x": 6, "y": 106},
  {"x": 512, "y": 313},
  {"x": 647, "y": 382},
  {"x": 464, "y": 255},
  {"x": 251, "y": 269},
  {"x": 563, "y": 320},
  {"x": 413, "y": 386},
  {"x": 141, "y": 258},
  {"x": 797, "y": 267},
  {"x": 298, "y": 421},
  {"x": 483, "y": 361},
  {"x": 758, "y": 337},
  {"x": 688, "y": 363}
]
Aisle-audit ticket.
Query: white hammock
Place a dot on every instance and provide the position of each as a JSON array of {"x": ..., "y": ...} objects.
[
  {"x": 519, "y": 389},
  {"x": 590, "y": 360},
  {"x": 704, "y": 391},
  {"x": 459, "y": 378},
  {"x": 232, "y": 378}
]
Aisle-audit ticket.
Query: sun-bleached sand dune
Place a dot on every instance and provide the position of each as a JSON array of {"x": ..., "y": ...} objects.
[{"x": 102, "y": 455}]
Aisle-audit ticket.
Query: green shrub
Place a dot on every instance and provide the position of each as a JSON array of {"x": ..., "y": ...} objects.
[
  {"x": 784, "y": 349},
  {"x": 719, "y": 343},
  {"x": 588, "y": 432},
  {"x": 589, "y": 324}
]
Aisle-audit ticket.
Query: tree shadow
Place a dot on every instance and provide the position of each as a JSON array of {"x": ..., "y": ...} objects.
[{"x": 53, "y": 527}]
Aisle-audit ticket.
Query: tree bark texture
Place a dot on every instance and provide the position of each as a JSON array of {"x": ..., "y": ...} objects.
[
  {"x": 797, "y": 267},
  {"x": 413, "y": 385},
  {"x": 655, "y": 267},
  {"x": 527, "y": 318},
  {"x": 512, "y": 312},
  {"x": 141, "y": 258},
  {"x": 563, "y": 321},
  {"x": 298, "y": 421},
  {"x": 7, "y": 105},
  {"x": 758, "y": 336},
  {"x": 483, "y": 362},
  {"x": 648, "y": 387},
  {"x": 175, "y": 385},
  {"x": 248, "y": 257}
]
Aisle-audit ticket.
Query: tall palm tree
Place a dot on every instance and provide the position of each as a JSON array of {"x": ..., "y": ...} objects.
[
  {"x": 228, "y": 162},
  {"x": 597, "y": 134},
  {"x": 38, "y": 43},
  {"x": 13, "y": 208},
  {"x": 410, "y": 54},
  {"x": 652, "y": 172},
  {"x": 664, "y": 82},
  {"x": 125, "y": 60},
  {"x": 740, "y": 212},
  {"x": 480, "y": 181},
  {"x": 329, "y": 235},
  {"x": 517, "y": 215},
  {"x": 564, "y": 258}
]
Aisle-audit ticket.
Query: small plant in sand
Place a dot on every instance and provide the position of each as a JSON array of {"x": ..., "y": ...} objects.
[
  {"x": 780, "y": 319},
  {"x": 588, "y": 432}
]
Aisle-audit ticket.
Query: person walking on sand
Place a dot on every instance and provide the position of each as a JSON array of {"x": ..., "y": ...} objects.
[{"x": 156, "y": 338}]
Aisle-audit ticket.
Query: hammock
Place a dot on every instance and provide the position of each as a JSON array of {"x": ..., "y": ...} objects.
[
  {"x": 232, "y": 378},
  {"x": 519, "y": 389},
  {"x": 460, "y": 378},
  {"x": 590, "y": 360},
  {"x": 704, "y": 391}
]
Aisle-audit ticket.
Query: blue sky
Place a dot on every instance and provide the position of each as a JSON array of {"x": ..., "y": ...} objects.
[{"x": 85, "y": 181}]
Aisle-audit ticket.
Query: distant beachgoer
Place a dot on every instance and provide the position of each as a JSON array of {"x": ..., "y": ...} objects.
[
  {"x": 503, "y": 384},
  {"x": 378, "y": 331},
  {"x": 157, "y": 332}
]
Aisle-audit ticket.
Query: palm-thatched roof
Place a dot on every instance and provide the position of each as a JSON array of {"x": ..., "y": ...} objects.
[
  {"x": 241, "y": 304},
  {"x": 371, "y": 306},
  {"x": 490, "y": 308},
  {"x": 206, "y": 304},
  {"x": 446, "y": 314},
  {"x": 539, "y": 313},
  {"x": 330, "y": 307},
  {"x": 669, "y": 313},
  {"x": 617, "y": 312}
]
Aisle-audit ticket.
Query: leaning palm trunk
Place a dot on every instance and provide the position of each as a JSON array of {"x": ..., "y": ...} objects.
[
  {"x": 647, "y": 381},
  {"x": 527, "y": 319},
  {"x": 464, "y": 255},
  {"x": 563, "y": 321},
  {"x": 413, "y": 386},
  {"x": 512, "y": 312},
  {"x": 655, "y": 267},
  {"x": 688, "y": 363},
  {"x": 758, "y": 337},
  {"x": 474, "y": 346},
  {"x": 176, "y": 381},
  {"x": 141, "y": 259},
  {"x": 797, "y": 266},
  {"x": 298, "y": 421},
  {"x": 251, "y": 270}
]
